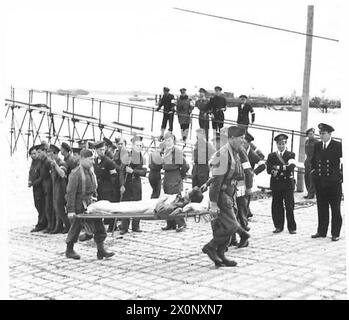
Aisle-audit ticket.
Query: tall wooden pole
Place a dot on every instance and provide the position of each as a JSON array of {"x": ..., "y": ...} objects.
[{"x": 305, "y": 95}]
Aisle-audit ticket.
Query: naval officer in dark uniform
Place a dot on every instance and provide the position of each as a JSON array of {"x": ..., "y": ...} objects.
[
  {"x": 107, "y": 177},
  {"x": 217, "y": 106},
  {"x": 105, "y": 172},
  {"x": 280, "y": 165},
  {"x": 244, "y": 109},
  {"x": 168, "y": 102},
  {"x": 226, "y": 170},
  {"x": 328, "y": 176},
  {"x": 130, "y": 177},
  {"x": 202, "y": 105}
]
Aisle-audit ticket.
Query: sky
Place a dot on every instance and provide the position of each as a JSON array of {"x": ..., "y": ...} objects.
[{"x": 145, "y": 45}]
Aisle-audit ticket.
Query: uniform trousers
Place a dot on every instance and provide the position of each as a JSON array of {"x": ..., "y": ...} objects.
[
  {"x": 225, "y": 224},
  {"x": 39, "y": 202},
  {"x": 95, "y": 227},
  {"x": 155, "y": 182},
  {"x": 49, "y": 208},
  {"x": 283, "y": 200},
  {"x": 173, "y": 184},
  {"x": 309, "y": 184},
  {"x": 60, "y": 213},
  {"x": 329, "y": 197},
  {"x": 242, "y": 213},
  {"x": 167, "y": 117}
]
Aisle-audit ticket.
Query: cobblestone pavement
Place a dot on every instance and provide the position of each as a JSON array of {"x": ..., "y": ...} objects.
[{"x": 159, "y": 264}]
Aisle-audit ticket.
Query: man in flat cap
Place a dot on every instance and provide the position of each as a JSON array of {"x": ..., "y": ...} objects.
[
  {"x": 168, "y": 102},
  {"x": 130, "y": 178},
  {"x": 107, "y": 176},
  {"x": 76, "y": 152},
  {"x": 70, "y": 161},
  {"x": 309, "y": 151},
  {"x": 217, "y": 105},
  {"x": 226, "y": 170},
  {"x": 244, "y": 109},
  {"x": 110, "y": 148},
  {"x": 59, "y": 185},
  {"x": 34, "y": 181},
  {"x": 280, "y": 165},
  {"x": 46, "y": 183},
  {"x": 81, "y": 189},
  {"x": 327, "y": 173},
  {"x": 184, "y": 110},
  {"x": 202, "y": 105}
]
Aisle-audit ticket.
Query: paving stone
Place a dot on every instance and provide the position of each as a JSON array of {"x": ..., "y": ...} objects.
[{"x": 168, "y": 265}]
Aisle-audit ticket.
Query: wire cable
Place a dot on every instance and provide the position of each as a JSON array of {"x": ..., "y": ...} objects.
[{"x": 256, "y": 24}]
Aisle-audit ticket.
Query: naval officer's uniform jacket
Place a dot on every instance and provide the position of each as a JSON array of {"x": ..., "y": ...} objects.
[
  {"x": 282, "y": 186},
  {"x": 327, "y": 177}
]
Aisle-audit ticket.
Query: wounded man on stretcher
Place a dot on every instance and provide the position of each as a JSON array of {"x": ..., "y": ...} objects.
[{"x": 162, "y": 208}]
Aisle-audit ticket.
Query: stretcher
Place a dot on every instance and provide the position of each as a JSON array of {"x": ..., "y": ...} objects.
[{"x": 143, "y": 209}]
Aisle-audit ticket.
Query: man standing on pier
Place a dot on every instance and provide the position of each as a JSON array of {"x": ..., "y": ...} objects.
[
  {"x": 184, "y": 109},
  {"x": 167, "y": 101},
  {"x": 202, "y": 105},
  {"x": 38, "y": 192},
  {"x": 217, "y": 105},
  {"x": 280, "y": 165},
  {"x": 226, "y": 171},
  {"x": 107, "y": 176},
  {"x": 81, "y": 188},
  {"x": 46, "y": 183},
  {"x": 243, "y": 112},
  {"x": 328, "y": 175}
]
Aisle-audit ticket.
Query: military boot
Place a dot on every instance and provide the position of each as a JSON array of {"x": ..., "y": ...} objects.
[
  {"x": 70, "y": 253},
  {"x": 212, "y": 254},
  {"x": 101, "y": 253},
  {"x": 225, "y": 260},
  {"x": 233, "y": 241},
  {"x": 243, "y": 238}
]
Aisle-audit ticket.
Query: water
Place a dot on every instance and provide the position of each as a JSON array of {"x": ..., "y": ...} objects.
[{"x": 143, "y": 118}]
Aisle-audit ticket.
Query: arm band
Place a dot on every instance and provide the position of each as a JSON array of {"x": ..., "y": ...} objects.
[
  {"x": 292, "y": 161},
  {"x": 246, "y": 165}
]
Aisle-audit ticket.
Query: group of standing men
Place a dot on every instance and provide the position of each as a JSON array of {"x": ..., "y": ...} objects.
[
  {"x": 213, "y": 108},
  {"x": 64, "y": 188},
  {"x": 323, "y": 177}
]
